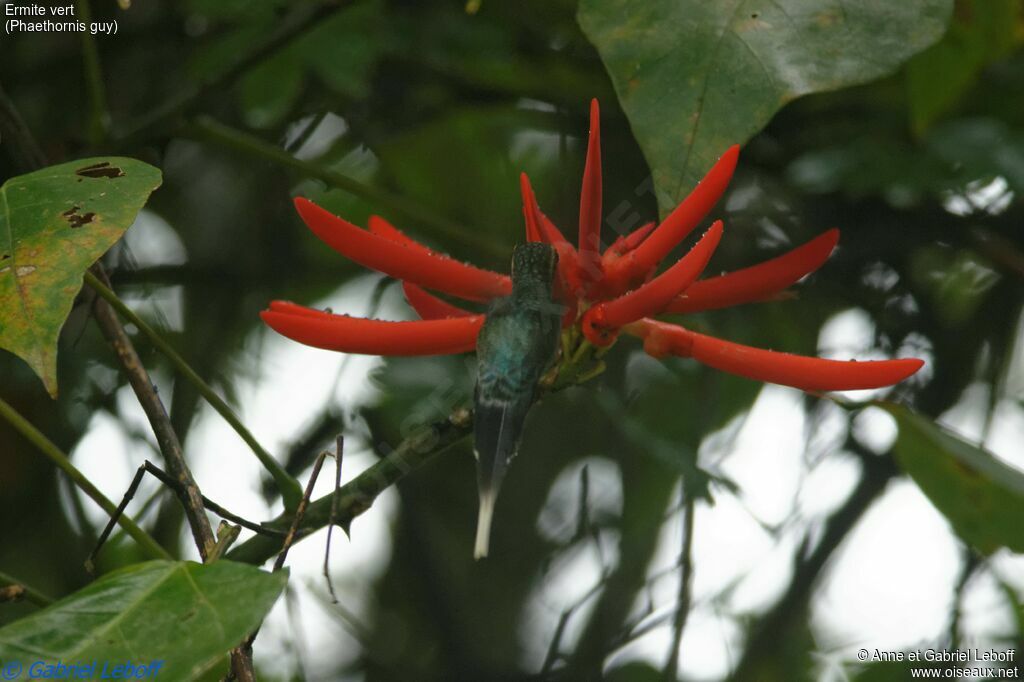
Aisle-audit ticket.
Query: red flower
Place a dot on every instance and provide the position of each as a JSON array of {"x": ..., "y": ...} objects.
[{"x": 605, "y": 293}]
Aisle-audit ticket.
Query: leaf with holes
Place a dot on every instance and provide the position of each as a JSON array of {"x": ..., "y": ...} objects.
[
  {"x": 981, "y": 496},
  {"x": 181, "y": 615},
  {"x": 54, "y": 224},
  {"x": 695, "y": 77}
]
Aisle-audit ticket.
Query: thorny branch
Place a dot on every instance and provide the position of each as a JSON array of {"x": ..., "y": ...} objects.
[{"x": 358, "y": 495}]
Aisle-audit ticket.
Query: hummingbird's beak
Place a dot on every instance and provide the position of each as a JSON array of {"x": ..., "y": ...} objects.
[{"x": 488, "y": 496}]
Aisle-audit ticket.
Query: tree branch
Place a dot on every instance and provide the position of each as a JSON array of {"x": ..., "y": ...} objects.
[
  {"x": 685, "y": 587},
  {"x": 166, "y": 438},
  {"x": 210, "y": 131},
  {"x": 289, "y": 487},
  {"x": 358, "y": 495}
]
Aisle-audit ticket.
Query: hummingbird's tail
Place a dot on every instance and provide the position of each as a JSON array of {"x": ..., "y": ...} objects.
[
  {"x": 497, "y": 426},
  {"x": 483, "y": 522}
]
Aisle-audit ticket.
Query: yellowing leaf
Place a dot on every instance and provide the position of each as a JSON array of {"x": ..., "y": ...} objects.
[{"x": 54, "y": 224}]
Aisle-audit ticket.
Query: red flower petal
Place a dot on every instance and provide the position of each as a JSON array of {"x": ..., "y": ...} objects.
[
  {"x": 758, "y": 282},
  {"x": 373, "y": 337},
  {"x": 552, "y": 235},
  {"x": 590, "y": 202},
  {"x": 290, "y": 308},
  {"x": 636, "y": 237},
  {"x": 808, "y": 374},
  {"x": 383, "y": 228},
  {"x": 636, "y": 265},
  {"x": 430, "y": 307},
  {"x": 626, "y": 243},
  {"x": 568, "y": 260},
  {"x": 529, "y": 211},
  {"x": 602, "y": 321},
  {"x": 414, "y": 264}
]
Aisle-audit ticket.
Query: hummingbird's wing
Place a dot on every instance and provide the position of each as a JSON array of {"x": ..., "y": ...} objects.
[
  {"x": 505, "y": 385},
  {"x": 513, "y": 351}
]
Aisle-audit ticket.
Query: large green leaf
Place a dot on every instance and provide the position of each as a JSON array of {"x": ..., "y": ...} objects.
[
  {"x": 54, "y": 224},
  {"x": 185, "y": 614},
  {"x": 982, "y": 497},
  {"x": 695, "y": 77},
  {"x": 982, "y": 32}
]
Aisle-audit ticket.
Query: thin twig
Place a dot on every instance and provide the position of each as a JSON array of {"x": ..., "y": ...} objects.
[
  {"x": 171, "y": 483},
  {"x": 1000, "y": 249},
  {"x": 289, "y": 538},
  {"x": 163, "y": 117},
  {"x": 554, "y": 647},
  {"x": 356, "y": 496},
  {"x": 46, "y": 446},
  {"x": 210, "y": 131},
  {"x": 297, "y": 636},
  {"x": 307, "y": 131},
  {"x": 18, "y": 141},
  {"x": 99, "y": 123},
  {"x": 971, "y": 564},
  {"x": 90, "y": 561},
  {"x": 762, "y": 643},
  {"x": 339, "y": 449},
  {"x": 288, "y": 486},
  {"x": 166, "y": 438},
  {"x": 683, "y": 602},
  {"x": 27, "y": 593},
  {"x": 637, "y": 544}
]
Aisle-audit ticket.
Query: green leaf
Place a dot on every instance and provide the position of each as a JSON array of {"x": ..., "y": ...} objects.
[
  {"x": 982, "y": 32},
  {"x": 695, "y": 77},
  {"x": 185, "y": 614},
  {"x": 982, "y": 497},
  {"x": 54, "y": 224},
  {"x": 430, "y": 163},
  {"x": 958, "y": 281},
  {"x": 341, "y": 51}
]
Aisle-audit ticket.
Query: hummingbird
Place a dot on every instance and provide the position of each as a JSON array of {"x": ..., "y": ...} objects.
[{"x": 517, "y": 342}]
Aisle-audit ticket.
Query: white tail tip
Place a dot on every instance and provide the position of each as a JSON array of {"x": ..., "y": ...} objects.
[{"x": 483, "y": 524}]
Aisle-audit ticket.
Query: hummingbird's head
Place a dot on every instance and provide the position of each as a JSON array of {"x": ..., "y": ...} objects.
[{"x": 534, "y": 263}]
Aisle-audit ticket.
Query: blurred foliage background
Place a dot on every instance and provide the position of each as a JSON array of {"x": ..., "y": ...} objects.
[{"x": 425, "y": 113}]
